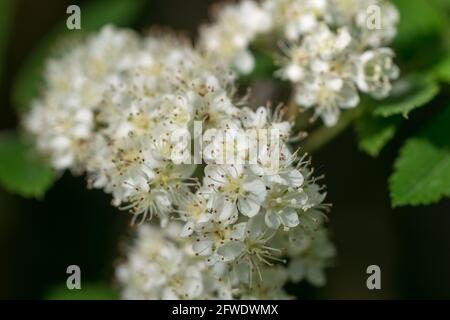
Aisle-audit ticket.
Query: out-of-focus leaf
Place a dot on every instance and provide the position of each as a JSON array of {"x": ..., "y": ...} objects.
[
  {"x": 89, "y": 291},
  {"x": 5, "y": 14},
  {"x": 419, "y": 19},
  {"x": 94, "y": 15},
  {"x": 374, "y": 132},
  {"x": 442, "y": 70},
  {"x": 407, "y": 95},
  {"x": 421, "y": 174},
  {"x": 21, "y": 171},
  {"x": 121, "y": 13},
  {"x": 442, "y": 4}
]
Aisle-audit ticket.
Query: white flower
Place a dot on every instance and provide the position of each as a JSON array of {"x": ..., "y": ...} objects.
[
  {"x": 230, "y": 36},
  {"x": 296, "y": 17},
  {"x": 282, "y": 205},
  {"x": 113, "y": 113},
  {"x": 214, "y": 236},
  {"x": 328, "y": 94},
  {"x": 319, "y": 40},
  {"x": 326, "y": 44},
  {"x": 250, "y": 251},
  {"x": 309, "y": 261},
  {"x": 161, "y": 267},
  {"x": 264, "y": 118},
  {"x": 237, "y": 186},
  {"x": 62, "y": 119},
  {"x": 376, "y": 69},
  {"x": 270, "y": 288}
]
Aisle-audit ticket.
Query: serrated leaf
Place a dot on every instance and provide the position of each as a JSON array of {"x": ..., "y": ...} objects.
[
  {"x": 21, "y": 171},
  {"x": 407, "y": 95},
  {"x": 421, "y": 174},
  {"x": 374, "y": 133},
  {"x": 93, "y": 16},
  {"x": 89, "y": 291}
]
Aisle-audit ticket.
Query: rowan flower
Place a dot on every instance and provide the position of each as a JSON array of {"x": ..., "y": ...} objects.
[
  {"x": 328, "y": 48},
  {"x": 236, "y": 186},
  {"x": 62, "y": 119},
  {"x": 376, "y": 70},
  {"x": 160, "y": 266},
  {"x": 237, "y": 25},
  {"x": 123, "y": 115}
]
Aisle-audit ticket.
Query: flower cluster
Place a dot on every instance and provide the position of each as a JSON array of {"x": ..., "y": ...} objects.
[
  {"x": 62, "y": 119},
  {"x": 328, "y": 49},
  {"x": 243, "y": 217},
  {"x": 161, "y": 266},
  {"x": 122, "y": 110}
]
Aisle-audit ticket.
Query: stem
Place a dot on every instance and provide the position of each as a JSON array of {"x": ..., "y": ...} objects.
[
  {"x": 323, "y": 135},
  {"x": 300, "y": 117}
]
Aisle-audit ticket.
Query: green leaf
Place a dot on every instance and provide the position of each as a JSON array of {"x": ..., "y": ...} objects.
[
  {"x": 5, "y": 14},
  {"x": 442, "y": 5},
  {"x": 421, "y": 174},
  {"x": 121, "y": 13},
  {"x": 407, "y": 95},
  {"x": 20, "y": 171},
  {"x": 419, "y": 19},
  {"x": 442, "y": 70},
  {"x": 374, "y": 133},
  {"x": 90, "y": 291},
  {"x": 93, "y": 16}
]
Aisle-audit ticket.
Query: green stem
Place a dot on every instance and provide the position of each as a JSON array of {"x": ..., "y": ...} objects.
[{"x": 323, "y": 135}]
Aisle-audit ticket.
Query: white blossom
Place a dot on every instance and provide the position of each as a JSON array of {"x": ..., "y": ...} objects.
[
  {"x": 160, "y": 266},
  {"x": 225, "y": 228},
  {"x": 328, "y": 49}
]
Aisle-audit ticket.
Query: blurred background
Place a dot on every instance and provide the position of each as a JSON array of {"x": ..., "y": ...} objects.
[{"x": 71, "y": 225}]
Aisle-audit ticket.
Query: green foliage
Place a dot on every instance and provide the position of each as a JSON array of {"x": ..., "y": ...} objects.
[
  {"x": 420, "y": 41},
  {"x": 421, "y": 174},
  {"x": 93, "y": 16},
  {"x": 419, "y": 19},
  {"x": 374, "y": 133},
  {"x": 90, "y": 291},
  {"x": 20, "y": 171},
  {"x": 442, "y": 5},
  {"x": 407, "y": 95},
  {"x": 442, "y": 70},
  {"x": 422, "y": 170}
]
